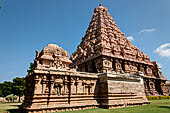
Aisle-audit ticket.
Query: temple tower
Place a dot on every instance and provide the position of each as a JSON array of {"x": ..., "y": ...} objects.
[{"x": 104, "y": 48}]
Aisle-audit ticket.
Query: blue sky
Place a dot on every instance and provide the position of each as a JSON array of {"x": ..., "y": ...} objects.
[{"x": 29, "y": 25}]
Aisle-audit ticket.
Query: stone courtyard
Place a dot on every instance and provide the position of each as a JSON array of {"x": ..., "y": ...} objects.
[{"x": 105, "y": 71}]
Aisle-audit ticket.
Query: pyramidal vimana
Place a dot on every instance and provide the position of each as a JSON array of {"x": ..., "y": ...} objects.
[{"x": 105, "y": 71}]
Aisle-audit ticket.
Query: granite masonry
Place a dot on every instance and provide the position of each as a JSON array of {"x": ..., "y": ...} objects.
[{"x": 105, "y": 71}]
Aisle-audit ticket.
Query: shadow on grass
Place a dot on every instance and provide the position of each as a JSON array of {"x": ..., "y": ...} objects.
[
  {"x": 168, "y": 107},
  {"x": 15, "y": 105},
  {"x": 13, "y": 111}
]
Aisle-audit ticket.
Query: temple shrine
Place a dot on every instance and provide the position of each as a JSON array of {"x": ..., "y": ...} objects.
[
  {"x": 104, "y": 48},
  {"x": 105, "y": 71}
]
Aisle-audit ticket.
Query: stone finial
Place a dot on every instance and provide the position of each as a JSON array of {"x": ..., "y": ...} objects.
[{"x": 102, "y": 7}]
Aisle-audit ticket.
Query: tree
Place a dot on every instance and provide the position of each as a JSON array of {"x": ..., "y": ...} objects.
[
  {"x": 18, "y": 86},
  {"x": 6, "y": 88},
  {"x": 11, "y": 98},
  {"x": 1, "y": 86}
]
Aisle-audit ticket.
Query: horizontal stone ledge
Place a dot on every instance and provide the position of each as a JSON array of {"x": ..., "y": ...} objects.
[
  {"x": 119, "y": 95},
  {"x": 62, "y": 107},
  {"x": 66, "y": 73},
  {"x": 58, "y": 97}
]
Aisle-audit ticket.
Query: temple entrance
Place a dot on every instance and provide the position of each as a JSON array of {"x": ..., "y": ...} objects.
[{"x": 94, "y": 70}]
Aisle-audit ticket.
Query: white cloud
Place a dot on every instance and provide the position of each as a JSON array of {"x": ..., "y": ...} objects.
[
  {"x": 130, "y": 38},
  {"x": 163, "y": 50},
  {"x": 147, "y": 30},
  {"x": 160, "y": 65}
]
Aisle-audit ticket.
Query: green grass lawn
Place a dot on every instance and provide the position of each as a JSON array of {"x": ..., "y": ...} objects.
[
  {"x": 10, "y": 107},
  {"x": 157, "y": 106}
]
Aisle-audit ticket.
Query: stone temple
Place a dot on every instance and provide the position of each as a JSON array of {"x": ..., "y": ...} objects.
[{"x": 105, "y": 71}]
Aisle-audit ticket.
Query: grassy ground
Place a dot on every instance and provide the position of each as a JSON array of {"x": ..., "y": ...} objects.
[
  {"x": 6, "y": 107},
  {"x": 157, "y": 106}
]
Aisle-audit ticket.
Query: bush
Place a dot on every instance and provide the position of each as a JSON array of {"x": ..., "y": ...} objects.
[
  {"x": 157, "y": 97},
  {"x": 11, "y": 98}
]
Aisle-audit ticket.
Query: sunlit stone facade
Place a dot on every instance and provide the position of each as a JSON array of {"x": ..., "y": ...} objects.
[{"x": 105, "y": 71}]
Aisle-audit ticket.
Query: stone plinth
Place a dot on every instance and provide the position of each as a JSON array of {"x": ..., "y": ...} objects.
[
  {"x": 121, "y": 90},
  {"x": 56, "y": 90}
]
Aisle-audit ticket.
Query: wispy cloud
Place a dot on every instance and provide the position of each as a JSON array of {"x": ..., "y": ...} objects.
[
  {"x": 130, "y": 38},
  {"x": 160, "y": 65},
  {"x": 11, "y": 73},
  {"x": 147, "y": 30},
  {"x": 163, "y": 50}
]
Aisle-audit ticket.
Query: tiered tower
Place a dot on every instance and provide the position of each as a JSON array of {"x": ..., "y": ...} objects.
[
  {"x": 104, "y": 48},
  {"x": 104, "y": 40}
]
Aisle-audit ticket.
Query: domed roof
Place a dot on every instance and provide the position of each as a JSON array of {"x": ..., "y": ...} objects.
[
  {"x": 52, "y": 56},
  {"x": 55, "y": 49}
]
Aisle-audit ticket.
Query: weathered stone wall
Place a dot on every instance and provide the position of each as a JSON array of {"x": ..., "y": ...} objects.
[
  {"x": 120, "y": 90},
  {"x": 59, "y": 90}
]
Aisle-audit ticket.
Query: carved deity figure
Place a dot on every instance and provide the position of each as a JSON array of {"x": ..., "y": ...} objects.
[{"x": 57, "y": 87}]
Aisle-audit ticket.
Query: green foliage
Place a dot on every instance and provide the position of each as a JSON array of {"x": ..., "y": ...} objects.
[
  {"x": 18, "y": 86},
  {"x": 6, "y": 88},
  {"x": 1, "y": 86},
  {"x": 32, "y": 66},
  {"x": 11, "y": 98},
  {"x": 157, "y": 97}
]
